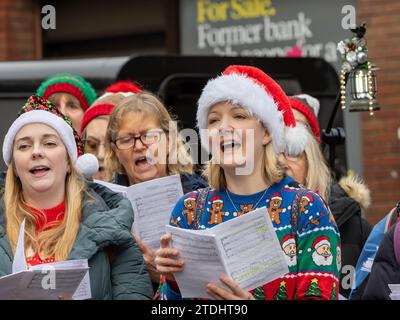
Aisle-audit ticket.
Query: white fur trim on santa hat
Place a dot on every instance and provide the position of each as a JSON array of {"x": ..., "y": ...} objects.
[
  {"x": 321, "y": 243},
  {"x": 125, "y": 94},
  {"x": 190, "y": 199},
  {"x": 241, "y": 90},
  {"x": 296, "y": 139},
  {"x": 311, "y": 101},
  {"x": 288, "y": 241},
  {"x": 64, "y": 131}
]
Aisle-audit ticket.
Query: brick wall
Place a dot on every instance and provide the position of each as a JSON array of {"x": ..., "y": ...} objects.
[
  {"x": 381, "y": 145},
  {"x": 20, "y": 33}
]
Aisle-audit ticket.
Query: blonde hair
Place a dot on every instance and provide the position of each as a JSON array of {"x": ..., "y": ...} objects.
[
  {"x": 318, "y": 177},
  {"x": 146, "y": 105},
  {"x": 272, "y": 171},
  {"x": 58, "y": 240}
]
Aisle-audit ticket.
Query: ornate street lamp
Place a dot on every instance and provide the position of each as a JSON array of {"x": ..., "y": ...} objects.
[{"x": 358, "y": 72}]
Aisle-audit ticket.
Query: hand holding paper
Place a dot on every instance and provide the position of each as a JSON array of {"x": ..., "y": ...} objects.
[
  {"x": 167, "y": 259},
  {"x": 152, "y": 202},
  {"x": 245, "y": 248},
  {"x": 45, "y": 281}
]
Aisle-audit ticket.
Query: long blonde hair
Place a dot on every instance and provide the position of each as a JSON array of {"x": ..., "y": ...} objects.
[
  {"x": 318, "y": 176},
  {"x": 58, "y": 240},
  {"x": 146, "y": 105}
]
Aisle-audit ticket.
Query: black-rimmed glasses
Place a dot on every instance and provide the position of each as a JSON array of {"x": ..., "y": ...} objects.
[{"x": 147, "y": 138}]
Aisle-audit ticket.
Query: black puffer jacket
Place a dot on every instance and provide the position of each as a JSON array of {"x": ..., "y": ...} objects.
[
  {"x": 385, "y": 270},
  {"x": 354, "y": 230}
]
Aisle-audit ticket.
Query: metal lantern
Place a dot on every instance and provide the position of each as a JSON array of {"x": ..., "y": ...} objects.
[{"x": 363, "y": 89}]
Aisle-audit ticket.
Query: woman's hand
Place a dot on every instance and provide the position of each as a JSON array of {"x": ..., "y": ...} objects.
[
  {"x": 149, "y": 256},
  {"x": 235, "y": 292},
  {"x": 167, "y": 259}
]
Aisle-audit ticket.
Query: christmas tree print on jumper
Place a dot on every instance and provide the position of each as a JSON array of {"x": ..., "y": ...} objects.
[
  {"x": 313, "y": 290},
  {"x": 281, "y": 292}
]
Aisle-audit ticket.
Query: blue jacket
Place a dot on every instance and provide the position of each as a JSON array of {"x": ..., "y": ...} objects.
[
  {"x": 367, "y": 256},
  {"x": 385, "y": 270}
]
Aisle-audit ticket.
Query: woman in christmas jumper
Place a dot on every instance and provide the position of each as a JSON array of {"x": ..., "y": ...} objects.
[
  {"x": 243, "y": 101},
  {"x": 345, "y": 198},
  {"x": 71, "y": 94},
  {"x": 66, "y": 217},
  {"x": 95, "y": 121}
]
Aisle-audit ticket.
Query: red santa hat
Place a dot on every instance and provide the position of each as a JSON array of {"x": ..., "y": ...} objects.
[
  {"x": 259, "y": 94},
  {"x": 288, "y": 239},
  {"x": 216, "y": 199},
  {"x": 125, "y": 88},
  {"x": 309, "y": 107},
  {"x": 308, "y": 197},
  {"x": 276, "y": 195},
  {"x": 320, "y": 241},
  {"x": 190, "y": 198}
]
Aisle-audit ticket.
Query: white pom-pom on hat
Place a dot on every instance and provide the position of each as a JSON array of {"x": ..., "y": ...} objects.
[
  {"x": 312, "y": 102},
  {"x": 87, "y": 164},
  {"x": 296, "y": 139}
]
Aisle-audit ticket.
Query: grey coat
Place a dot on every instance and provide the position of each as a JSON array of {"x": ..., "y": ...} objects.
[{"x": 117, "y": 269}]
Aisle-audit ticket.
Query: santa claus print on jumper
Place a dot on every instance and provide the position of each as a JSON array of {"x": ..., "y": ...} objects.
[{"x": 311, "y": 252}]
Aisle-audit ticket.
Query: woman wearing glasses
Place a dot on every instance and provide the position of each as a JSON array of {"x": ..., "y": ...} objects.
[
  {"x": 95, "y": 120},
  {"x": 345, "y": 198},
  {"x": 143, "y": 144}
]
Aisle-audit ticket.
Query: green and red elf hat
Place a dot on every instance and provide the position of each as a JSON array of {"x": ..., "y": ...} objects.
[
  {"x": 125, "y": 88},
  {"x": 40, "y": 110},
  {"x": 68, "y": 83}
]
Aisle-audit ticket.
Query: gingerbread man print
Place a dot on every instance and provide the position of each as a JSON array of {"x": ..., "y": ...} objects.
[
  {"x": 274, "y": 208},
  {"x": 190, "y": 207},
  {"x": 306, "y": 200},
  {"x": 216, "y": 212},
  {"x": 175, "y": 222},
  {"x": 245, "y": 208},
  {"x": 313, "y": 221}
]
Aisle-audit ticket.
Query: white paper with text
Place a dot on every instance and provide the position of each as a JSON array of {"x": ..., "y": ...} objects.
[{"x": 245, "y": 248}]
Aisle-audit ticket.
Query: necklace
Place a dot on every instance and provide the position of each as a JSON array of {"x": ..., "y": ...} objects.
[{"x": 255, "y": 206}]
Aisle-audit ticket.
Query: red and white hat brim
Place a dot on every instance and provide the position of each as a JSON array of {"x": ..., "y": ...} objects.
[
  {"x": 288, "y": 241},
  {"x": 321, "y": 243},
  {"x": 243, "y": 91},
  {"x": 64, "y": 131}
]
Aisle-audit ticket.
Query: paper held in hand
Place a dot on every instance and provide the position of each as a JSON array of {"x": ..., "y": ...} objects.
[
  {"x": 394, "y": 291},
  {"x": 46, "y": 281},
  {"x": 246, "y": 249},
  {"x": 152, "y": 202}
]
